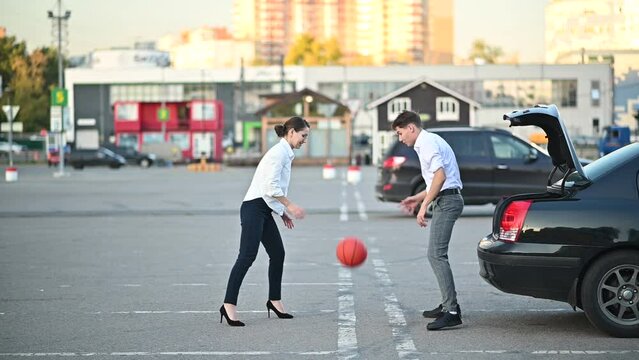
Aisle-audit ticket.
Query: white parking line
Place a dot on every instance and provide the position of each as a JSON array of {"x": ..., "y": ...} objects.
[
  {"x": 346, "y": 324},
  {"x": 195, "y": 284},
  {"x": 361, "y": 209},
  {"x": 404, "y": 344},
  {"x": 309, "y": 353},
  {"x": 155, "y": 312},
  {"x": 471, "y": 311},
  {"x": 343, "y": 212},
  {"x": 537, "y": 352},
  {"x": 343, "y": 209},
  {"x": 167, "y": 353}
]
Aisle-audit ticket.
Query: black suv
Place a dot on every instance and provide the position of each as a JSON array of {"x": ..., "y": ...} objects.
[{"x": 493, "y": 164}]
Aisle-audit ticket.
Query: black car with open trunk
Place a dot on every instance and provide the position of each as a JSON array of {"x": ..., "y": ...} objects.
[{"x": 576, "y": 242}]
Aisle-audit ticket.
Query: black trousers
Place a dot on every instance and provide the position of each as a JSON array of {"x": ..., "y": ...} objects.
[{"x": 258, "y": 226}]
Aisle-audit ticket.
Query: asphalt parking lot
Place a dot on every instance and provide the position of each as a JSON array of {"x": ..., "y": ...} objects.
[{"x": 133, "y": 263}]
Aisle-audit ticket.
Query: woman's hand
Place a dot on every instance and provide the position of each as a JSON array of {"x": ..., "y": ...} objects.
[
  {"x": 288, "y": 222},
  {"x": 296, "y": 211}
]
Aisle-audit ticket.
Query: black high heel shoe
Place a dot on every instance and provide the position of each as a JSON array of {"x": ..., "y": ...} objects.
[
  {"x": 281, "y": 315},
  {"x": 224, "y": 314}
]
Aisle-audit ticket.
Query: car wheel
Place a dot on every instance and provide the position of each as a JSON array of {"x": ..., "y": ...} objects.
[
  {"x": 145, "y": 163},
  {"x": 610, "y": 293}
]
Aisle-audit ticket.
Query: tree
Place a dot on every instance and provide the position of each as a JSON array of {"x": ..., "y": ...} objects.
[
  {"x": 10, "y": 49},
  {"x": 30, "y": 78},
  {"x": 483, "y": 53},
  {"x": 308, "y": 51},
  {"x": 29, "y": 90}
]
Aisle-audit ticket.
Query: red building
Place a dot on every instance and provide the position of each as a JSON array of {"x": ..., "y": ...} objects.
[{"x": 196, "y": 127}]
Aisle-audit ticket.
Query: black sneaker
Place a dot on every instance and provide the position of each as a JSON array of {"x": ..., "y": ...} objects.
[
  {"x": 437, "y": 312},
  {"x": 446, "y": 320}
]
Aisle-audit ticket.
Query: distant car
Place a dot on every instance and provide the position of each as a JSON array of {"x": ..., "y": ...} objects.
[
  {"x": 614, "y": 137},
  {"x": 493, "y": 164},
  {"x": 132, "y": 156},
  {"x": 100, "y": 157},
  {"x": 578, "y": 240},
  {"x": 15, "y": 148}
]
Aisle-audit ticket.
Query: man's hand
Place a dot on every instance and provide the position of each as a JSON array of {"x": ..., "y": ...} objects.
[
  {"x": 421, "y": 216},
  {"x": 409, "y": 204},
  {"x": 296, "y": 211},
  {"x": 288, "y": 222}
]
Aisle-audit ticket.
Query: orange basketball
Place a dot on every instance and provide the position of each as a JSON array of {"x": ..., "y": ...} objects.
[{"x": 351, "y": 251}]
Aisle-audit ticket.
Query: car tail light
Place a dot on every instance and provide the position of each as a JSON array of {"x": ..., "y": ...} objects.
[
  {"x": 512, "y": 220},
  {"x": 394, "y": 162},
  {"x": 387, "y": 187}
]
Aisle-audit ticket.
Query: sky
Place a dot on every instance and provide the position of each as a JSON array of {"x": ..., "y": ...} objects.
[{"x": 517, "y": 26}]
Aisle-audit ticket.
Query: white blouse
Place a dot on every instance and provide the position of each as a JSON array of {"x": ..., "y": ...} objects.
[{"x": 272, "y": 176}]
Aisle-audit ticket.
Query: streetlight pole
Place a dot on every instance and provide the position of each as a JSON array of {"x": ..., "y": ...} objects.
[{"x": 59, "y": 19}]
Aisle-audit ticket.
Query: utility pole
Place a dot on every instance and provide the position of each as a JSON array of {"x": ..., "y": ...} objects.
[
  {"x": 282, "y": 75},
  {"x": 60, "y": 19}
]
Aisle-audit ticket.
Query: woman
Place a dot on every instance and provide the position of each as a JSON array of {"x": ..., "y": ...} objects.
[{"x": 267, "y": 194}]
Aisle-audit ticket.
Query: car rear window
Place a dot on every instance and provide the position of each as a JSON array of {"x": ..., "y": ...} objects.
[
  {"x": 600, "y": 167},
  {"x": 604, "y": 165}
]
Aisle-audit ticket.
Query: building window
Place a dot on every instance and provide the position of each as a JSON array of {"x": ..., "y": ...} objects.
[
  {"x": 396, "y": 106},
  {"x": 203, "y": 111},
  {"x": 128, "y": 140},
  {"x": 180, "y": 139},
  {"x": 595, "y": 125},
  {"x": 152, "y": 138},
  {"x": 564, "y": 93},
  {"x": 595, "y": 93},
  {"x": 447, "y": 109},
  {"x": 127, "y": 112}
]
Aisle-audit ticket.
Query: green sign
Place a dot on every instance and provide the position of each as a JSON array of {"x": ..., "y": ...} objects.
[
  {"x": 163, "y": 114},
  {"x": 59, "y": 97}
]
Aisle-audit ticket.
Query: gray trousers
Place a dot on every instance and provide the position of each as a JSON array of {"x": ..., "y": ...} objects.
[{"x": 446, "y": 210}]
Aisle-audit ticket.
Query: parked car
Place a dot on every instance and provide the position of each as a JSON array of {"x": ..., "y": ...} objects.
[
  {"x": 99, "y": 157},
  {"x": 132, "y": 156},
  {"x": 577, "y": 241},
  {"x": 15, "y": 148},
  {"x": 493, "y": 163}
]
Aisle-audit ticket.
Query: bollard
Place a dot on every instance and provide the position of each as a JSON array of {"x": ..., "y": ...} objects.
[
  {"x": 354, "y": 174},
  {"x": 11, "y": 174},
  {"x": 328, "y": 172}
]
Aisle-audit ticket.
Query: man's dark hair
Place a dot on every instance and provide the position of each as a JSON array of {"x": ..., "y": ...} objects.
[{"x": 405, "y": 118}]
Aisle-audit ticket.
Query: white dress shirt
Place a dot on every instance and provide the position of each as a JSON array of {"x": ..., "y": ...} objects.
[
  {"x": 272, "y": 176},
  {"x": 435, "y": 153}
]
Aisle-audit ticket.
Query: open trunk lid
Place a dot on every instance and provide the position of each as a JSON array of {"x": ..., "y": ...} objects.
[{"x": 560, "y": 147}]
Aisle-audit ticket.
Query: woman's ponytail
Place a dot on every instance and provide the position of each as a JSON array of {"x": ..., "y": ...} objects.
[
  {"x": 297, "y": 123},
  {"x": 280, "y": 130}
]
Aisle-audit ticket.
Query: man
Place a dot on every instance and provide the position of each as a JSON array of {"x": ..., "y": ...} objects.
[{"x": 443, "y": 190}]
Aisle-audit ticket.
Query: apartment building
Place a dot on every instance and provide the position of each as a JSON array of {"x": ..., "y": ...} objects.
[{"x": 370, "y": 32}]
